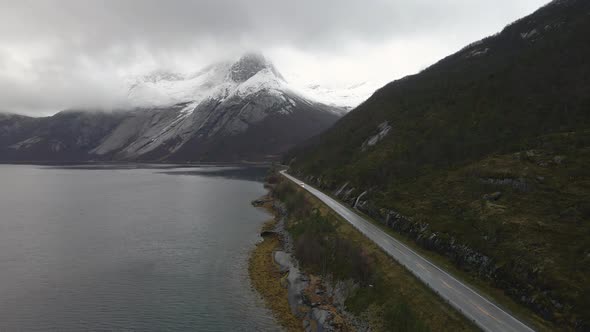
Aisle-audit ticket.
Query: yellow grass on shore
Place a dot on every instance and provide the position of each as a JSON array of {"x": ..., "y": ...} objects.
[{"x": 266, "y": 279}]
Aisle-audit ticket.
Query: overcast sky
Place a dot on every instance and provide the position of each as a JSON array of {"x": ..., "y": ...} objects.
[{"x": 57, "y": 54}]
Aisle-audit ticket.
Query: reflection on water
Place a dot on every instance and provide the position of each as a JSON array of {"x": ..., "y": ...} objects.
[
  {"x": 239, "y": 173},
  {"x": 229, "y": 171},
  {"x": 129, "y": 247}
]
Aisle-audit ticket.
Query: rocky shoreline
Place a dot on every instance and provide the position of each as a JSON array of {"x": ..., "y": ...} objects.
[
  {"x": 317, "y": 304},
  {"x": 321, "y": 274}
]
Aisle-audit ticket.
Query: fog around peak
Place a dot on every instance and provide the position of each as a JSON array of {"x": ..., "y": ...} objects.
[{"x": 59, "y": 54}]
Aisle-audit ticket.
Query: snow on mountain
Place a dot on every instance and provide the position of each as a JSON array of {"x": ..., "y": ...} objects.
[
  {"x": 347, "y": 97},
  {"x": 166, "y": 89},
  {"x": 242, "y": 110},
  {"x": 252, "y": 73},
  {"x": 224, "y": 99}
]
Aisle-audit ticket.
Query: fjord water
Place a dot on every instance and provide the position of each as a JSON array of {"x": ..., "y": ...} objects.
[{"x": 129, "y": 248}]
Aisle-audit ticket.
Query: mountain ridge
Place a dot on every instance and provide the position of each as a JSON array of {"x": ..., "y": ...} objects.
[
  {"x": 220, "y": 103},
  {"x": 481, "y": 157}
]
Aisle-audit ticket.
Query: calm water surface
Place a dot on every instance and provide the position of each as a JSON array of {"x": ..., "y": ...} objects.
[{"x": 129, "y": 248}]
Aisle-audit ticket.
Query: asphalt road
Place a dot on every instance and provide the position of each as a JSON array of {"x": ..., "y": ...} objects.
[{"x": 475, "y": 307}]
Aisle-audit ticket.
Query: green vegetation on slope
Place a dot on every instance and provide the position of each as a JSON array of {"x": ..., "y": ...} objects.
[
  {"x": 508, "y": 116},
  {"x": 389, "y": 296}
]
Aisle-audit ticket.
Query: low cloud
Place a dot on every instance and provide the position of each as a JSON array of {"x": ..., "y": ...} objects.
[{"x": 57, "y": 54}]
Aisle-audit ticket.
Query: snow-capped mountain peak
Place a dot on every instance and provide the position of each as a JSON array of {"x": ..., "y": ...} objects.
[
  {"x": 225, "y": 111},
  {"x": 221, "y": 100},
  {"x": 248, "y": 74},
  {"x": 249, "y": 65}
]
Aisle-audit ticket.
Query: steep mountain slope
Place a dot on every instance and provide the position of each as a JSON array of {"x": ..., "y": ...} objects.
[
  {"x": 226, "y": 112},
  {"x": 483, "y": 158},
  {"x": 66, "y": 136}
]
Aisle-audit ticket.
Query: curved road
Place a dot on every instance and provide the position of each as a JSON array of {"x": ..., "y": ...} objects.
[{"x": 475, "y": 307}]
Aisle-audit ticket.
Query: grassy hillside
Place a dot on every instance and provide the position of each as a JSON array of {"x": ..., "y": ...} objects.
[
  {"x": 488, "y": 148},
  {"x": 386, "y": 296}
]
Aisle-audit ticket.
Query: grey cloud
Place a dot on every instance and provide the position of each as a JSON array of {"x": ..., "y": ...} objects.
[
  {"x": 53, "y": 52},
  {"x": 94, "y": 25}
]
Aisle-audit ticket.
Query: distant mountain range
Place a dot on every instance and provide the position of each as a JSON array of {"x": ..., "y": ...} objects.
[
  {"x": 347, "y": 97},
  {"x": 483, "y": 157},
  {"x": 229, "y": 111}
]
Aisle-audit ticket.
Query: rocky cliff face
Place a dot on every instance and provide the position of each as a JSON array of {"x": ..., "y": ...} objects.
[{"x": 226, "y": 112}]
